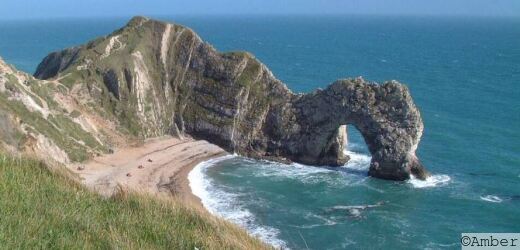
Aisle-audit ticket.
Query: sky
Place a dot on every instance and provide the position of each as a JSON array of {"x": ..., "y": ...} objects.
[{"x": 35, "y": 9}]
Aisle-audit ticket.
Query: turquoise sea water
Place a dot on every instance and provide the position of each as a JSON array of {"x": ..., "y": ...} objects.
[{"x": 464, "y": 75}]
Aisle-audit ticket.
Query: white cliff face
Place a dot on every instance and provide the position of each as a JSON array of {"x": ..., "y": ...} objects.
[
  {"x": 141, "y": 83},
  {"x": 342, "y": 134},
  {"x": 165, "y": 42}
]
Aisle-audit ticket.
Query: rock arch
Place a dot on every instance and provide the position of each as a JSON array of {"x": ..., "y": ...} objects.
[{"x": 385, "y": 115}]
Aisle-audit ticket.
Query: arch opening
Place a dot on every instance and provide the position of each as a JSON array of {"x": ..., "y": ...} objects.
[{"x": 356, "y": 149}]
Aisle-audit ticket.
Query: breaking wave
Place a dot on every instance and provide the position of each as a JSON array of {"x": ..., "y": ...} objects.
[
  {"x": 227, "y": 205},
  {"x": 432, "y": 181},
  {"x": 358, "y": 161}
]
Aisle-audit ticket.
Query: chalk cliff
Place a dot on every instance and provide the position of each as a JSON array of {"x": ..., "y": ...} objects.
[{"x": 152, "y": 78}]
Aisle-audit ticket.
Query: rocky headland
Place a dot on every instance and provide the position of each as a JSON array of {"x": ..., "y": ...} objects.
[{"x": 152, "y": 78}]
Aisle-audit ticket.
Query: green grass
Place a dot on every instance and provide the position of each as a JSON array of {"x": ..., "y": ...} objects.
[
  {"x": 45, "y": 91},
  {"x": 43, "y": 209}
]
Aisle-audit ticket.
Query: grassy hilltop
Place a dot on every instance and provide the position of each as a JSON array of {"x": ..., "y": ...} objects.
[{"x": 46, "y": 210}]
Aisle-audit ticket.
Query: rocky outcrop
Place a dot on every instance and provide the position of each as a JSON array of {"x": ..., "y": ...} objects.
[
  {"x": 59, "y": 61},
  {"x": 155, "y": 78}
]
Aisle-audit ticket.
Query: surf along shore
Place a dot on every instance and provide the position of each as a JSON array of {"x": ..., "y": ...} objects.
[{"x": 158, "y": 166}]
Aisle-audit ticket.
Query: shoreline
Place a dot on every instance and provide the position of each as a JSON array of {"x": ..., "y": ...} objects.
[
  {"x": 159, "y": 166},
  {"x": 184, "y": 189}
]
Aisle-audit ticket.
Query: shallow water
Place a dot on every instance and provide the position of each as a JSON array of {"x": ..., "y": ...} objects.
[{"x": 464, "y": 75}]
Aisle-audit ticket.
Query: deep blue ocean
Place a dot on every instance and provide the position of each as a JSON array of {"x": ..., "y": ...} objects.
[{"x": 463, "y": 73}]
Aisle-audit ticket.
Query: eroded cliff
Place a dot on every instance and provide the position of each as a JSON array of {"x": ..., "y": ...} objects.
[
  {"x": 153, "y": 78},
  {"x": 47, "y": 119}
]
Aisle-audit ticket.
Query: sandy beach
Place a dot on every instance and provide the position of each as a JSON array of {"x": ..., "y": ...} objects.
[{"x": 158, "y": 166}]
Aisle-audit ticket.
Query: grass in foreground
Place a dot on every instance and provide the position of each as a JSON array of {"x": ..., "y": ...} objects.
[{"x": 45, "y": 210}]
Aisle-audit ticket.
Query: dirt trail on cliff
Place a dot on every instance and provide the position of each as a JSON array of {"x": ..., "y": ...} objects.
[{"x": 160, "y": 165}]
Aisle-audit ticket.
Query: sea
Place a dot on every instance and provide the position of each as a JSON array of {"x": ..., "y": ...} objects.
[{"x": 463, "y": 73}]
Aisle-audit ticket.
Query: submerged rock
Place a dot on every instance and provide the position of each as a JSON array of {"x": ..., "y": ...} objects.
[{"x": 155, "y": 78}]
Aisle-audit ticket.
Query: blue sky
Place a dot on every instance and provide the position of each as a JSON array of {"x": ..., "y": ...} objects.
[{"x": 22, "y": 9}]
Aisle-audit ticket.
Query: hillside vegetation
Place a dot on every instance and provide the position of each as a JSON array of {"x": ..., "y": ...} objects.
[{"x": 47, "y": 210}]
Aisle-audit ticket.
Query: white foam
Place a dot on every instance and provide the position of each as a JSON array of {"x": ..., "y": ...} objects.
[
  {"x": 358, "y": 161},
  {"x": 287, "y": 171},
  {"x": 227, "y": 205},
  {"x": 306, "y": 174},
  {"x": 432, "y": 181},
  {"x": 197, "y": 181},
  {"x": 491, "y": 198}
]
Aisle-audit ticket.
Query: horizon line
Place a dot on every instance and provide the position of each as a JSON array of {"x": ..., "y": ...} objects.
[{"x": 242, "y": 15}]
